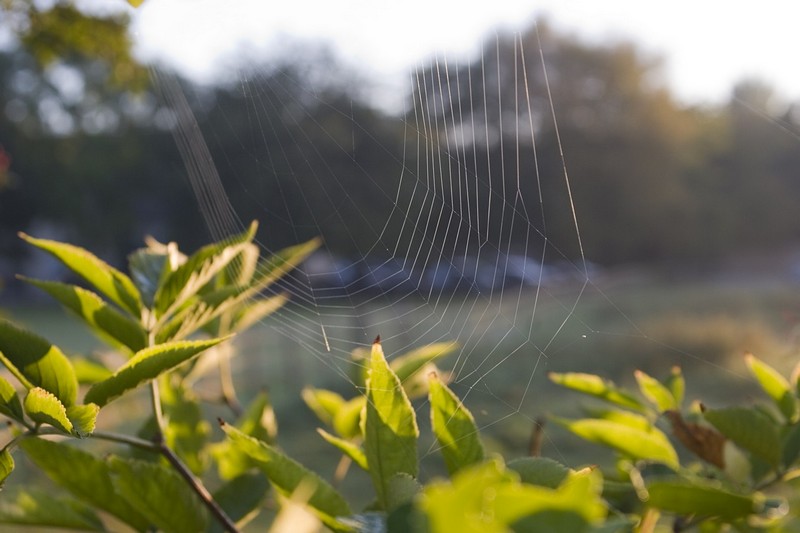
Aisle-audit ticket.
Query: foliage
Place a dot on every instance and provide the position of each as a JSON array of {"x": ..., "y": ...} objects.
[{"x": 743, "y": 475}]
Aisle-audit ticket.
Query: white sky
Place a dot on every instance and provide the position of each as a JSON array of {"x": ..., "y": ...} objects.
[{"x": 708, "y": 44}]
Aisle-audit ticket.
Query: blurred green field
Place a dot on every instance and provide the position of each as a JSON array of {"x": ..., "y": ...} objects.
[{"x": 614, "y": 329}]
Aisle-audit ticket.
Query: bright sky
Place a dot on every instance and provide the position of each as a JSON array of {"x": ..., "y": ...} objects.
[{"x": 708, "y": 44}]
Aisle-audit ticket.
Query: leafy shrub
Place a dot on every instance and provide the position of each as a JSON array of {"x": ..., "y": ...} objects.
[{"x": 173, "y": 316}]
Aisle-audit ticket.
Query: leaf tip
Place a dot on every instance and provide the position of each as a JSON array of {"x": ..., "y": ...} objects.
[
  {"x": 221, "y": 422},
  {"x": 377, "y": 340}
]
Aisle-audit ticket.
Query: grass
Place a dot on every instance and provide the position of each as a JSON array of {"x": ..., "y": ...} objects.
[{"x": 614, "y": 329}]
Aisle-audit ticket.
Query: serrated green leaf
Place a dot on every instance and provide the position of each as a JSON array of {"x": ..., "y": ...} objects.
[
  {"x": 400, "y": 491},
  {"x": 597, "y": 387},
  {"x": 540, "y": 471},
  {"x": 84, "y": 476},
  {"x": 44, "y": 408},
  {"x": 159, "y": 494},
  {"x": 253, "y": 312},
  {"x": 632, "y": 442},
  {"x": 9, "y": 400},
  {"x": 454, "y": 427},
  {"x": 83, "y": 418},
  {"x": 146, "y": 365},
  {"x": 775, "y": 385},
  {"x": 198, "y": 270},
  {"x": 109, "y": 281},
  {"x": 287, "y": 474},
  {"x": 750, "y": 429},
  {"x": 240, "y": 498},
  {"x": 38, "y": 508},
  {"x": 656, "y": 392},
  {"x": 324, "y": 403},
  {"x": 390, "y": 426},
  {"x": 37, "y": 363},
  {"x": 258, "y": 421},
  {"x": 350, "y": 449},
  {"x": 6, "y": 465},
  {"x": 108, "y": 323},
  {"x": 700, "y": 497},
  {"x": 347, "y": 421}
]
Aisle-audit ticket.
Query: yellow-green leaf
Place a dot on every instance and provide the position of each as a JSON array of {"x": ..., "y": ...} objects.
[
  {"x": 597, "y": 387},
  {"x": 750, "y": 429},
  {"x": 632, "y": 442},
  {"x": 454, "y": 427},
  {"x": 109, "y": 281},
  {"x": 775, "y": 385},
  {"x": 287, "y": 474},
  {"x": 655, "y": 391},
  {"x": 700, "y": 497},
  {"x": 324, "y": 403},
  {"x": 146, "y": 365},
  {"x": 347, "y": 447},
  {"x": 390, "y": 426},
  {"x": 6, "y": 465},
  {"x": 37, "y": 363},
  {"x": 9, "y": 400},
  {"x": 44, "y": 408},
  {"x": 83, "y": 418}
]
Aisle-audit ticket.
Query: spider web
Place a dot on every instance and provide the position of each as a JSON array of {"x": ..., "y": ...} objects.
[{"x": 464, "y": 253}]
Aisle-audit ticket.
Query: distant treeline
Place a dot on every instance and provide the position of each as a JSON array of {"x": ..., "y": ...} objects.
[{"x": 300, "y": 146}]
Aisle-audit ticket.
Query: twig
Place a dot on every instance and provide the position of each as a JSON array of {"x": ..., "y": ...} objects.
[{"x": 535, "y": 445}]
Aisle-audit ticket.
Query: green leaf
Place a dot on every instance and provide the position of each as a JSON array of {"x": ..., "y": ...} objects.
[
  {"x": 700, "y": 497},
  {"x": 347, "y": 421},
  {"x": 350, "y": 449},
  {"x": 540, "y": 471},
  {"x": 390, "y": 426},
  {"x": 287, "y": 474},
  {"x": 241, "y": 497},
  {"x": 791, "y": 446},
  {"x": 150, "y": 266},
  {"x": 159, "y": 494},
  {"x": 401, "y": 490},
  {"x": 632, "y": 442},
  {"x": 676, "y": 384},
  {"x": 83, "y": 418},
  {"x": 109, "y": 281},
  {"x": 409, "y": 364},
  {"x": 146, "y": 365},
  {"x": 9, "y": 400},
  {"x": 656, "y": 392},
  {"x": 454, "y": 427},
  {"x": 597, "y": 387},
  {"x": 324, "y": 403},
  {"x": 775, "y": 385},
  {"x": 253, "y": 312},
  {"x": 37, "y": 363},
  {"x": 44, "y": 408},
  {"x": 109, "y": 324},
  {"x": 750, "y": 429},
  {"x": 487, "y": 498},
  {"x": 257, "y": 421},
  {"x": 198, "y": 270},
  {"x": 38, "y": 508},
  {"x": 84, "y": 476},
  {"x": 6, "y": 465}
]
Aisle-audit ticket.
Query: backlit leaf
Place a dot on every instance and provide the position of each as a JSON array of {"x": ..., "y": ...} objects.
[
  {"x": 655, "y": 391},
  {"x": 350, "y": 449},
  {"x": 9, "y": 400},
  {"x": 454, "y": 427},
  {"x": 6, "y": 465},
  {"x": 106, "y": 321},
  {"x": 324, "y": 403},
  {"x": 408, "y": 364},
  {"x": 109, "y": 281},
  {"x": 390, "y": 426},
  {"x": 44, "y": 408},
  {"x": 83, "y": 475},
  {"x": 37, "y": 363},
  {"x": 597, "y": 387},
  {"x": 775, "y": 385},
  {"x": 287, "y": 474},
  {"x": 146, "y": 365},
  {"x": 632, "y": 442},
  {"x": 159, "y": 494},
  {"x": 83, "y": 418},
  {"x": 347, "y": 421}
]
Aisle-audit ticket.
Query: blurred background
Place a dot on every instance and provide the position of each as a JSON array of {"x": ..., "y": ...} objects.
[{"x": 680, "y": 128}]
